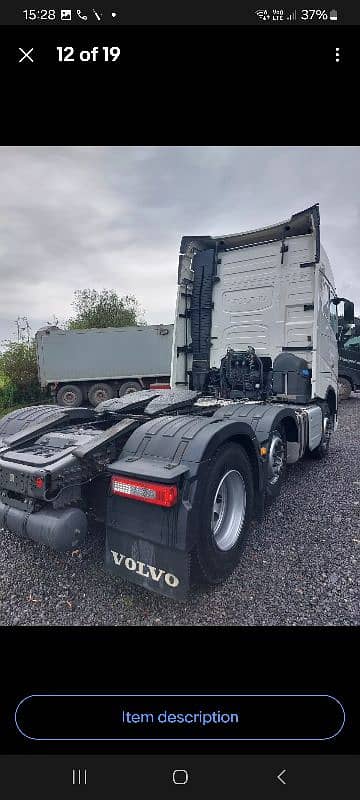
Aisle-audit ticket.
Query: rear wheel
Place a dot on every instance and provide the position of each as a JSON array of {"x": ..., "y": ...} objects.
[
  {"x": 99, "y": 392},
  {"x": 129, "y": 387},
  {"x": 345, "y": 389},
  {"x": 70, "y": 396},
  {"x": 227, "y": 496},
  {"x": 322, "y": 450}
]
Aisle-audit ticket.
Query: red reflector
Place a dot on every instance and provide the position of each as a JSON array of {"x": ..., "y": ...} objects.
[
  {"x": 159, "y": 494},
  {"x": 159, "y": 386},
  {"x": 39, "y": 483}
]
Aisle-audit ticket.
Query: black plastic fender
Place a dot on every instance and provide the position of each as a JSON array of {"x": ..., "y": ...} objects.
[
  {"x": 264, "y": 418},
  {"x": 169, "y": 448},
  {"x": 177, "y": 449}
]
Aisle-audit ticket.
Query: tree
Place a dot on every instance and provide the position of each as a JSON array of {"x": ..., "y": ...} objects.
[
  {"x": 19, "y": 381},
  {"x": 103, "y": 309},
  {"x": 18, "y": 371}
]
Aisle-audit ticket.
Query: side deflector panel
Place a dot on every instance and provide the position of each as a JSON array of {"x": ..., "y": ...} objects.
[{"x": 201, "y": 313}]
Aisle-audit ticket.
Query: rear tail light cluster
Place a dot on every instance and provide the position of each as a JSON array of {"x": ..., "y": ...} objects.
[{"x": 159, "y": 494}]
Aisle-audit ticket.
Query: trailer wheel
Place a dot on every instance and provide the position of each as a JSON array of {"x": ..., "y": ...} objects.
[
  {"x": 322, "y": 450},
  {"x": 99, "y": 392},
  {"x": 276, "y": 462},
  {"x": 129, "y": 387},
  {"x": 69, "y": 396},
  {"x": 345, "y": 389},
  {"x": 227, "y": 496}
]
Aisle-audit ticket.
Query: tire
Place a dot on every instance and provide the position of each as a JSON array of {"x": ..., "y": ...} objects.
[
  {"x": 129, "y": 387},
  {"x": 17, "y": 420},
  {"x": 99, "y": 392},
  {"x": 276, "y": 463},
  {"x": 69, "y": 396},
  {"x": 322, "y": 450},
  {"x": 345, "y": 389},
  {"x": 224, "y": 516}
]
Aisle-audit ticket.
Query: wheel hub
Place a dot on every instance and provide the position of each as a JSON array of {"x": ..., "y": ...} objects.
[
  {"x": 69, "y": 397},
  {"x": 228, "y": 512},
  {"x": 276, "y": 459}
]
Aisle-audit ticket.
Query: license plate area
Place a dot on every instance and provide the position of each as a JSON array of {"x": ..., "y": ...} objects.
[{"x": 13, "y": 481}]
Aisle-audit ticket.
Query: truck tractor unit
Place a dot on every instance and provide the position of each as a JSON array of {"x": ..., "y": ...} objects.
[{"x": 176, "y": 476}]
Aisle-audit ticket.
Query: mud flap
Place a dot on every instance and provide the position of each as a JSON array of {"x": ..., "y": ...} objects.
[{"x": 152, "y": 566}]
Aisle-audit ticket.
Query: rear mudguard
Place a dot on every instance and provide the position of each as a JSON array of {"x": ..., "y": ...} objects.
[{"x": 151, "y": 545}]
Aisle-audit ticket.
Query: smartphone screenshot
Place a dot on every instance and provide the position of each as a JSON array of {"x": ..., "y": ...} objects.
[{"x": 179, "y": 402}]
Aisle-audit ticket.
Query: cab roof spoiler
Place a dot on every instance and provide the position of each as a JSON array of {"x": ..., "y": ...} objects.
[{"x": 300, "y": 224}]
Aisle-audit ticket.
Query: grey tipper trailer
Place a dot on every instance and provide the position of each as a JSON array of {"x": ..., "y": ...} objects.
[{"x": 102, "y": 363}]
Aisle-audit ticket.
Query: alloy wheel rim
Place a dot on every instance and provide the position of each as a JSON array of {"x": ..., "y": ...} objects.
[
  {"x": 228, "y": 511},
  {"x": 276, "y": 459}
]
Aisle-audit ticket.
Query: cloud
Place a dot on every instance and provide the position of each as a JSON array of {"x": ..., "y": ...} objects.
[{"x": 108, "y": 216}]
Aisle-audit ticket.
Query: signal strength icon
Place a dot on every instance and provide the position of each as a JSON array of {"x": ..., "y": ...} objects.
[
  {"x": 263, "y": 14},
  {"x": 291, "y": 17}
]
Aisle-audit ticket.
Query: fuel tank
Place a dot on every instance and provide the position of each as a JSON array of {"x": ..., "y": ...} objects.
[{"x": 62, "y": 530}]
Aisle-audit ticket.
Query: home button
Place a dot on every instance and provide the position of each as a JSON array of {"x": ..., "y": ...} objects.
[{"x": 180, "y": 776}]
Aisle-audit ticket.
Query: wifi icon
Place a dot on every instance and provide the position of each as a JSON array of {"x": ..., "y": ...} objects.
[{"x": 263, "y": 14}]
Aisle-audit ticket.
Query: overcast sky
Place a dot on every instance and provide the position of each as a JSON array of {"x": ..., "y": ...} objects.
[{"x": 100, "y": 216}]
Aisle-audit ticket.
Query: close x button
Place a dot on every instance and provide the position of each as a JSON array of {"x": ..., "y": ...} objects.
[{"x": 25, "y": 55}]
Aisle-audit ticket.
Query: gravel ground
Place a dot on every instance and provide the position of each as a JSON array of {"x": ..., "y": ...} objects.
[{"x": 300, "y": 566}]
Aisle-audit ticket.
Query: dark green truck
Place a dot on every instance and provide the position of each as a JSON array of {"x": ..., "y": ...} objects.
[{"x": 349, "y": 361}]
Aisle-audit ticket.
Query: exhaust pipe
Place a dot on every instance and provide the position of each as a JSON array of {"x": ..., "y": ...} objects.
[{"x": 61, "y": 530}]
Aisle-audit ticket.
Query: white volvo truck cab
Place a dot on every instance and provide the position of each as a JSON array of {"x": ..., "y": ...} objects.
[{"x": 274, "y": 292}]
